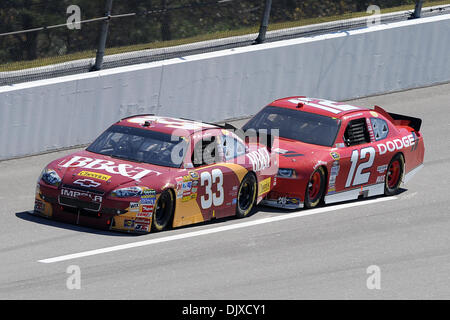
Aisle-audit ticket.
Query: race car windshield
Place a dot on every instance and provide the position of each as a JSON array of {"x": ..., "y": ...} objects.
[
  {"x": 140, "y": 145},
  {"x": 296, "y": 125}
]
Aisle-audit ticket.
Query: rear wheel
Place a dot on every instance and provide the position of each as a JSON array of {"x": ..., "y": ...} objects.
[
  {"x": 315, "y": 188},
  {"x": 162, "y": 215},
  {"x": 246, "y": 195},
  {"x": 394, "y": 175}
]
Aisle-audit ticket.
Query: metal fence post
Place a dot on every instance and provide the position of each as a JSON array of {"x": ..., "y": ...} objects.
[
  {"x": 264, "y": 22},
  {"x": 103, "y": 36},
  {"x": 418, "y": 9}
]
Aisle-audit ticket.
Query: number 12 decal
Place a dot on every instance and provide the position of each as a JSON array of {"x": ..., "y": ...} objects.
[{"x": 359, "y": 177}]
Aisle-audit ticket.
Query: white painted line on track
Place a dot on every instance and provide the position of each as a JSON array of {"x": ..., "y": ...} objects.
[{"x": 214, "y": 230}]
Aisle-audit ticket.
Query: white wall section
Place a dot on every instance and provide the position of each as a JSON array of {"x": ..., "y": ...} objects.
[{"x": 62, "y": 112}]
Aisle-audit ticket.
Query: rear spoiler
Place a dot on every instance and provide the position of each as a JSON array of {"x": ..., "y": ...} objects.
[{"x": 400, "y": 120}]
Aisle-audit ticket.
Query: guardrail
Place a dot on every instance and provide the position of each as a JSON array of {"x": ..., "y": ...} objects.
[{"x": 58, "y": 113}]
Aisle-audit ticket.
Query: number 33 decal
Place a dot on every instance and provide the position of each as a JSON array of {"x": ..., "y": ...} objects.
[
  {"x": 208, "y": 179},
  {"x": 360, "y": 178}
]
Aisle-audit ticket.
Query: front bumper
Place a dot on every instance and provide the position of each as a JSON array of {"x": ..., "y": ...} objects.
[
  {"x": 282, "y": 202},
  {"x": 115, "y": 215}
]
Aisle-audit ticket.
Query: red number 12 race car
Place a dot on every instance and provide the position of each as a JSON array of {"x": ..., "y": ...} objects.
[
  {"x": 334, "y": 152},
  {"x": 148, "y": 173}
]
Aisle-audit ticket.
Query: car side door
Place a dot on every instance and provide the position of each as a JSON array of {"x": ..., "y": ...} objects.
[
  {"x": 358, "y": 156},
  {"x": 215, "y": 179}
]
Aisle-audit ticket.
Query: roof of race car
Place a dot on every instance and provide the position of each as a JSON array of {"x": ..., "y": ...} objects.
[
  {"x": 319, "y": 106},
  {"x": 167, "y": 125}
]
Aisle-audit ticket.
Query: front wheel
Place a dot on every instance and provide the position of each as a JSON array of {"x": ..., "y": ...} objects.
[
  {"x": 315, "y": 188},
  {"x": 162, "y": 215},
  {"x": 394, "y": 175},
  {"x": 246, "y": 195}
]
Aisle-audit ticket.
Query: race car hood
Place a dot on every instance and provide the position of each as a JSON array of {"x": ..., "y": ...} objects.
[
  {"x": 296, "y": 154},
  {"x": 104, "y": 173}
]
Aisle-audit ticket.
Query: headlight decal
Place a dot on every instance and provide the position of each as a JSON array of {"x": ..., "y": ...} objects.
[
  {"x": 286, "y": 173},
  {"x": 50, "y": 177},
  {"x": 133, "y": 192},
  {"x": 127, "y": 192}
]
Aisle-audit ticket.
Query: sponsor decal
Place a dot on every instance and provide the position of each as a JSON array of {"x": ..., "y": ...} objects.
[
  {"x": 194, "y": 175},
  {"x": 146, "y": 211},
  {"x": 370, "y": 129},
  {"x": 87, "y": 183},
  {"x": 382, "y": 169},
  {"x": 147, "y": 208},
  {"x": 128, "y": 223},
  {"x": 185, "y": 198},
  {"x": 288, "y": 200},
  {"x": 185, "y": 187},
  {"x": 123, "y": 169},
  {"x": 81, "y": 195},
  {"x": 373, "y": 113},
  {"x": 134, "y": 206},
  {"x": 94, "y": 175},
  {"x": 142, "y": 225},
  {"x": 335, "y": 168},
  {"x": 188, "y": 196},
  {"x": 331, "y": 189},
  {"x": 260, "y": 159},
  {"x": 380, "y": 179},
  {"x": 143, "y": 214},
  {"x": 333, "y": 174},
  {"x": 396, "y": 144},
  {"x": 264, "y": 186},
  {"x": 39, "y": 206},
  {"x": 148, "y": 201},
  {"x": 148, "y": 193},
  {"x": 335, "y": 155}
]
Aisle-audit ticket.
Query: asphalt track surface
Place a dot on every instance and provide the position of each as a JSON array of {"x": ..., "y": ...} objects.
[{"x": 273, "y": 254}]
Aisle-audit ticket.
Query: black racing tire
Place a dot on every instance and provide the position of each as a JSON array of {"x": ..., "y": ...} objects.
[
  {"x": 163, "y": 213},
  {"x": 246, "y": 198},
  {"x": 394, "y": 175},
  {"x": 315, "y": 189}
]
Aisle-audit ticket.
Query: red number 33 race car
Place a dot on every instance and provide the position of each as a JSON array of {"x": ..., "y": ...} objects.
[
  {"x": 148, "y": 173},
  {"x": 335, "y": 152}
]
